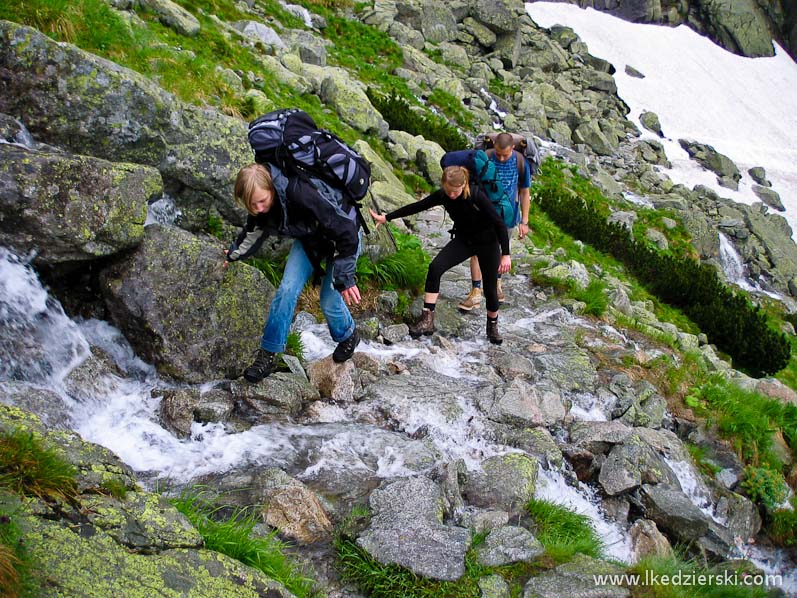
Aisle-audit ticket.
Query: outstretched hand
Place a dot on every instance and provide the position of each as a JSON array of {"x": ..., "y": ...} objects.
[
  {"x": 378, "y": 218},
  {"x": 351, "y": 295},
  {"x": 505, "y": 265}
]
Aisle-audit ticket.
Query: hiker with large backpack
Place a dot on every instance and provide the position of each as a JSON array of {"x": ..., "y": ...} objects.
[
  {"x": 304, "y": 184},
  {"x": 513, "y": 171},
  {"x": 479, "y": 231}
]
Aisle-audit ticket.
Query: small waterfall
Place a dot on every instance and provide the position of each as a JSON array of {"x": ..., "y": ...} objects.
[
  {"x": 732, "y": 264},
  {"x": 162, "y": 211},
  {"x": 299, "y": 11},
  {"x": 552, "y": 486}
]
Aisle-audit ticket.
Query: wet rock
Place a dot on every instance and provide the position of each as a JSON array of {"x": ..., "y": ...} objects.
[
  {"x": 483, "y": 520},
  {"x": 522, "y": 404},
  {"x": 278, "y": 396},
  {"x": 46, "y": 404},
  {"x": 333, "y": 380},
  {"x": 631, "y": 464},
  {"x": 673, "y": 512},
  {"x": 181, "y": 407},
  {"x": 296, "y": 512},
  {"x": 599, "y": 437}
]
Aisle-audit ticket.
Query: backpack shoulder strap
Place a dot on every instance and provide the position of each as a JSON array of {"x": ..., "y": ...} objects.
[{"x": 521, "y": 164}]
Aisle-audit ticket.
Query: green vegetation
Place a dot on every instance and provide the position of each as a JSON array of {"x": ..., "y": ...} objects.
[
  {"x": 702, "y": 460},
  {"x": 294, "y": 345},
  {"x": 765, "y": 486},
  {"x": 234, "y": 537},
  {"x": 216, "y": 227},
  {"x": 677, "y": 567},
  {"x": 397, "y": 111},
  {"x": 405, "y": 269},
  {"x": 29, "y": 468},
  {"x": 729, "y": 319},
  {"x": 562, "y": 532},
  {"x": 782, "y": 526},
  {"x": 17, "y": 576},
  {"x": 503, "y": 90},
  {"x": 748, "y": 419},
  {"x": 451, "y": 107}
]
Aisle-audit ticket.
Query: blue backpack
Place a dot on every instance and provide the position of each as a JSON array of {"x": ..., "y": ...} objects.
[{"x": 484, "y": 174}]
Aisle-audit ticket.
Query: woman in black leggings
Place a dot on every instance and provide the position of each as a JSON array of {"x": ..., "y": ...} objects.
[{"x": 478, "y": 230}]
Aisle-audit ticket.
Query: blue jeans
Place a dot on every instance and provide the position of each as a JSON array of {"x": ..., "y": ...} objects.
[{"x": 298, "y": 271}]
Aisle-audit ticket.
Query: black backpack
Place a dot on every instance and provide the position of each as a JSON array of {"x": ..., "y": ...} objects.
[{"x": 290, "y": 139}]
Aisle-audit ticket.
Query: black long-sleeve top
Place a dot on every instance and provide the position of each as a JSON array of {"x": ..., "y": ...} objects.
[{"x": 474, "y": 217}]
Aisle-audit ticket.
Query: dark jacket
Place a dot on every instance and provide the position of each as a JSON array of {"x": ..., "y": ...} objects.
[
  {"x": 312, "y": 212},
  {"x": 475, "y": 220}
]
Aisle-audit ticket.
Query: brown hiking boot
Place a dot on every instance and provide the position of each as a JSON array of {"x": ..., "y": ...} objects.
[
  {"x": 492, "y": 332},
  {"x": 500, "y": 291},
  {"x": 425, "y": 325},
  {"x": 474, "y": 299}
]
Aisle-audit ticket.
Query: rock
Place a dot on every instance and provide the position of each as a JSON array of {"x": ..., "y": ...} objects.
[
  {"x": 508, "y": 544},
  {"x": 278, "y": 396},
  {"x": 576, "y": 578},
  {"x": 88, "y": 105},
  {"x": 296, "y": 512},
  {"x": 632, "y": 72},
  {"x": 173, "y": 16},
  {"x": 493, "y": 586},
  {"x": 647, "y": 540},
  {"x": 351, "y": 103},
  {"x": 482, "y": 33},
  {"x": 182, "y": 310},
  {"x": 181, "y": 407},
  {"x": 395, "y": 333},
  {"x": 631, "y": 464},
  {"x": 254, "y": 30},
  {"x": 650, "y": 121},
  {"x": 599, "y": 437},
  {"x": 51, "y": 408},
  {"x": 739, "y": 26},
  {"x": 406, "y": 529},
  {"x": 333, "y": 380},
  {"x": 759, "y": 175},
  {"x": 311, "y": 48},
  {"x": 569, "y": 369},
  {"x": 572, "y": 270},
  {"x": 769, "y": 197},
  {"x": 674, "y": 513},
  {"x": 522, "y": 405},
  {"x": 506, "y": 483},
  {"x": 72, "y": 208},
  {"x": 658, "y": 238},
  {"x": 499, "y": 15},
  {"x": 712, "y": 160}
]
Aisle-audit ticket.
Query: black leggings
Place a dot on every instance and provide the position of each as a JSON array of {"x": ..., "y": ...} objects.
[{"x": 457, "y": 251}]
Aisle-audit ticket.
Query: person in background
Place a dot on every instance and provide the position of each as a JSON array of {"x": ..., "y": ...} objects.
[
  {"x": 514, "y": 174},
  {"x": 478, "y": 231},
  {"x": 323, "y": 229}
]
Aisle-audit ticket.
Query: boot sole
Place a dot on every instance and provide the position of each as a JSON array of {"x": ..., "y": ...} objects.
[
  {"x": 467, "y": 309},
  {"x": 496, "y": 342}
]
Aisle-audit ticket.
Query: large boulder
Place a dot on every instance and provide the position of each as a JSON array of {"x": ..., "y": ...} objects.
[
  {"x": 76, "y": 100},
  {"x": 502, "y": 16},
  {"x": 183, "y": 310},
  {"x": 71, "y": 208},
  {"x": 407, "y": 530}
]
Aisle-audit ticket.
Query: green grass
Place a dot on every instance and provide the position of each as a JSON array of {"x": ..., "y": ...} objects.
[
  {"x": 782, "y": 526},
  {"x": 18, "y": 577},
  {"x": 562, "y": 532},
  {"x": 404, "y": 269},
  {"x": 234, "y": 537},
  {"x": 702, "y": 460},
  {"x": 676, "y": 567},
  {"x": 452, "y": 108},
  {"x": 29, "y": 468},
  {"x": 748, "y": 419}
]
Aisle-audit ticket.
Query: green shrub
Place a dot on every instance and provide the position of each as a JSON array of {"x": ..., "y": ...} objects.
[
  {"x": 729, "y": 319},
  {"x": 782, "y": 527},
  {"x": 397, "y": 112},
  {"x": 562, "y": 532},
  {"x": 234, "y": 537},
  {"x": 765, "y": 486},
  {"x": 404, "y": 269}
]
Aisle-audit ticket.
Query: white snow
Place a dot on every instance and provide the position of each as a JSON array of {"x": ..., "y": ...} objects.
[{"x": 746, "y": 108}]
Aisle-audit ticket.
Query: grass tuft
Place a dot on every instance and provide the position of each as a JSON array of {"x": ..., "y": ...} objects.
[
  {"x": 29, "y": 468},
  {"x": 234, "y": 537},
  {"x": 562, "y": 531}
]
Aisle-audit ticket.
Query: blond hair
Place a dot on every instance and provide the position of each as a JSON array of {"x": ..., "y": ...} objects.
[
  {"x": 456, "y": 176},
  {"x": 250, "y": 178}
]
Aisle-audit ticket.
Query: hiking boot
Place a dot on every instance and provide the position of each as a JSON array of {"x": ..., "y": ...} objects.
[
  {"x": 492, "y": 332},
  {"x": 474, "y": 299},
  {"x": 345, "y": 349},
  {"x": 425, "y": 325},
  {"x": 500, "y": 291},
  {"x": 264, "y": 364}
]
